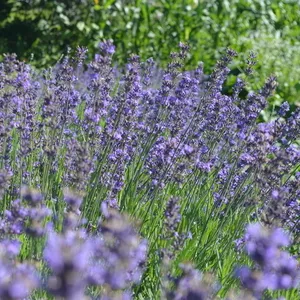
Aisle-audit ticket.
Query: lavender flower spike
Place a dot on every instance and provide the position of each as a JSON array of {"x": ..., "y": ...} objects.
[{"x": 276, "y": 269}]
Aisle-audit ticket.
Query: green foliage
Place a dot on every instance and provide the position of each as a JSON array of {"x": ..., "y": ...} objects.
[{"x": 271, "y": 28}]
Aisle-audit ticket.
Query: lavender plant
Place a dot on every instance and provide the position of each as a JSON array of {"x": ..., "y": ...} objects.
[{"x": 88, "y": 150}]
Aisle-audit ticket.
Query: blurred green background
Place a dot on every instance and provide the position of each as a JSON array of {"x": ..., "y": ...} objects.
[{"x": 41, "y": 30}]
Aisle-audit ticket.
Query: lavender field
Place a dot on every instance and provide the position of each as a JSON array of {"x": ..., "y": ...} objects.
[{"x": 143, "y": 183}]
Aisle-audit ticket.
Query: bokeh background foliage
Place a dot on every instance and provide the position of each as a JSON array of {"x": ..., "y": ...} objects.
[{"x": 152, "y": 28}]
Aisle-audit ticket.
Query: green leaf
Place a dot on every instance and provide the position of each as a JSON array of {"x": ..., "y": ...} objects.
[
  {"x": 65, "y": 19},
  {"x": 80, "y": 25}
]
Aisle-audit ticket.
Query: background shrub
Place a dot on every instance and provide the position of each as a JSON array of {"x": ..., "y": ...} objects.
[{"x": 153, "y": 28}]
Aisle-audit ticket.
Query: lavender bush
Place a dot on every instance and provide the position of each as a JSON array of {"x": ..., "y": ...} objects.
[{"x": 138, "y": 183}]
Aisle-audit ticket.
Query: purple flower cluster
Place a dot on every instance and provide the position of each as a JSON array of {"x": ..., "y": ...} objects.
[
  {"x": 113, "y": 257},
  {"x": 27, "y": 215},
  {"x": 67, "y": 256},
  {"x": 17, "y": 281},
  {"x": 119, "y": 254},
  {"x": 276, "y": 269},
  {"x": 193, "y": 285}
]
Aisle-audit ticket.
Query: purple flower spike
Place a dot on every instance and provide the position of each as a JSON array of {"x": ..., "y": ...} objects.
[
  {"x": 68, "y": 258},
  {"x": 107, "y": 47},
  {"x": 276, "y": 269},
  {"x": 17, "y": 281},
  {"x": 284, "y": 108},
  {"x": 119, "y": 254},
  {"x": 192, "y": 285}
]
